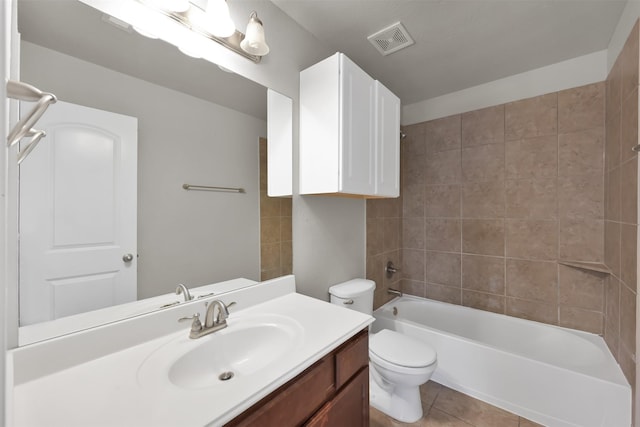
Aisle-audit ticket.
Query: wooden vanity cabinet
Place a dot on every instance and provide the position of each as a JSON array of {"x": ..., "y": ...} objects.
[{"x": 334, "y": 391}]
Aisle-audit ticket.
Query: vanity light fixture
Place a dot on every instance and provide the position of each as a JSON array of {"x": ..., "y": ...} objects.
[
  {"x": 254, "y": 42},
  {"x": 213, "y": 23}
]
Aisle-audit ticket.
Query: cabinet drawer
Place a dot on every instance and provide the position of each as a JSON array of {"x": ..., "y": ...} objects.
[
  {"x": 349, "y": 408},
  {"x": 292, "y": 403},
  {"x": 351, "y": 358}
]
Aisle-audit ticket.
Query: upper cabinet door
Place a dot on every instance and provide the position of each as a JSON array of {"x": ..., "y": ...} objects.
[
  {"x": 357, "y": 151},
  {"x": 349, "y": 132},
  {"x": 387, "y": 142}
]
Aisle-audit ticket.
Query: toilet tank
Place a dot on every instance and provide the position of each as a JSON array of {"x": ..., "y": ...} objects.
[{"x": 356, "y": 294}]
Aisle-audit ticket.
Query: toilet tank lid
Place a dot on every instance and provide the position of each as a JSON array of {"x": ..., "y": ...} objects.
[{"x": 352, "y": 288}]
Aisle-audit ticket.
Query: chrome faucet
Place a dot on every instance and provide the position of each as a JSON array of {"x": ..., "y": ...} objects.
[
  {"x": 182, "y": 289},
  {"x": 211, "y": 324}
]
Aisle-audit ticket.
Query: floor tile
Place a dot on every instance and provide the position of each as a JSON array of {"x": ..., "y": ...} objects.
[
  {"x": 526, "y": 423},
  {"x": 475, "y": 412},
  {"x": 437, "y": 418}
]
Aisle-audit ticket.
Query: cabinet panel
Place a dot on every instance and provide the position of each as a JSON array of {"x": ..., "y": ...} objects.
[
  {"x": 349, "y": 408},
  {"x": 292, "y": 404},
  {"x": 351, "y": 358},
  {"x": 357, "y": 138},
  {"x": 320, "y": 127},
  {"x": 387, "y": 142}
]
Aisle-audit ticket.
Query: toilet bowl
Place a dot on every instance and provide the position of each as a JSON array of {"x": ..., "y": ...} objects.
[{"x": 398, "y": 364}]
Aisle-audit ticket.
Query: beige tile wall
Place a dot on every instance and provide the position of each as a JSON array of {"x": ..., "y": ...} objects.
[
  {"x": 276, "y": 256},
  {"x": 493, "y": 199},
  {"x": 621, "y": 215}
]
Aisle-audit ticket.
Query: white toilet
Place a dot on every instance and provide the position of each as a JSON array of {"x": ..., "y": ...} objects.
[{"x": 398, "y": 364}]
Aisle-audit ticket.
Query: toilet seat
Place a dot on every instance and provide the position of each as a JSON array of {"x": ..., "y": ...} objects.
[{"x": 392, "y": 348}]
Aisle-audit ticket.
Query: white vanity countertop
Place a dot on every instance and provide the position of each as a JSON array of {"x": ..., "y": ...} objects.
[{"x": 113, "y": 391}]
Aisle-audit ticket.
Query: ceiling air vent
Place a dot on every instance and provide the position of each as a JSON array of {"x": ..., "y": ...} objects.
[{"x": 391, "y": 39}]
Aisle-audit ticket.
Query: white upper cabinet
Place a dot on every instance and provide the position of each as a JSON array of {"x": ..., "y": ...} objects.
[{"x": 349, "y": 132}]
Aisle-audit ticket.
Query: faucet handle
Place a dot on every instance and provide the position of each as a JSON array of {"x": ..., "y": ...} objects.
[
  {"x": 196, "y": 325},
  {"x": 223, "y": 313}
]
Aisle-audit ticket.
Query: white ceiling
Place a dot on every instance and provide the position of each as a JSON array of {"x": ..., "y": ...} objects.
[{"x": 458, "y": 43}]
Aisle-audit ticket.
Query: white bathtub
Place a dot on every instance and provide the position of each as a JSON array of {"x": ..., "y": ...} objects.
[{"x": 551, "y": 375}]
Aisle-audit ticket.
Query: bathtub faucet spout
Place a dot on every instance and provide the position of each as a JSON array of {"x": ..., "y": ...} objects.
[{"x": 394, "y": 292}]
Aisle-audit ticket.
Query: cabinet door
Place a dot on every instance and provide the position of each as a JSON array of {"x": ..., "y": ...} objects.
[
  {"x": 350, "y": 407},
  {"x": 357, "y": 139},
  {"x": 387, "y": 142}
]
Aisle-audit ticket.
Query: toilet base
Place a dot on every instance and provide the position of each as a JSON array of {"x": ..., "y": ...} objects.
[{"x": 401, "y": 403}]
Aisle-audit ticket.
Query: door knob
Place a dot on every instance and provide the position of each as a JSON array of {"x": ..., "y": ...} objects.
[{"x": 127, "y": 257}]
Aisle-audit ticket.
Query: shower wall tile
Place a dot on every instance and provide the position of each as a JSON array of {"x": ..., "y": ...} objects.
[
  {"x": 533, "y": 280},
  {"x": 413, "y": 265},
  {"x": 492, "y": 199},
  {"x": 531, "y": 239},
  {"x": 443, "y": 168},
  {"x": 612, "y": 139},
  {"x": 629, "y": 191},
  {"x": 627, "y": 319},
  {"x": 621, "y": 212},
  {"x": 581, "y": 196},
  {"x": 531, "y": 199},
  {"x": 413, "y": 287},
  {"x": 531, "y": 117},
  {"x": 612, "y": 195},
  {"x": 270, "y": 230},
  {"x": 483, "y": 236},
  {"x": 581, "y": 240},
  {"x": 391, "y": 234},
  {"x": 629, "y": 126},
  {"x": 443, "y": 234},
  {"x": 483, "y": 301},
  {"x": 413, "y": 201},
  {"x": 442, "y": 201},
  {"x": 532, "y": 310},
  {"x": 443, "y": 268},
  {"x": 612, "y": 246},
  {"x": 483, "y": 163},
  {"x": 484, "y": 126},
  {"x": 482, "y": 273},
  {"x": 581, "y": 288},
  {"x": 578, "y": 318},
  {"x": 443, "y": 134},
  {"x": 628, "y": 255},
  {"x": 581, "y": 108},
  {"x": 374, "y": 236},
  {"x": 450, "y": 294},
  {"x": 532, "y": 158},
  {"x": 613, "y": 91},
  {"x": 413, "y": 233},
  {"x": 483, "y": 200},
  {"x": 581, "y": 152}
]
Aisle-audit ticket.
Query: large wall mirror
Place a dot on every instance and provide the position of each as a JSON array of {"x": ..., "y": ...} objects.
[{"x": 184, "y": 121}]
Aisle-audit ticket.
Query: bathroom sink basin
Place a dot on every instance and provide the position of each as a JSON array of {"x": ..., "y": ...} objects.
[{"x": 246, "y": 347}]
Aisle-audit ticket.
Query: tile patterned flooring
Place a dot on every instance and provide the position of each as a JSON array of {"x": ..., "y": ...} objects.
[{"x": 444, "y": 407}]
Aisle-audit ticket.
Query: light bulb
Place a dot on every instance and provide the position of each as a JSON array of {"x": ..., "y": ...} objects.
[
  {"x": 170, "y": 5},
  {"x": 254, "y": 42},
  {"x": 216, "y": 20}
]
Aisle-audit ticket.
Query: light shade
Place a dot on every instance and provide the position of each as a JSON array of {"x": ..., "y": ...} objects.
[
  {"x": 254, "y": 42},
  {"x": 216, "y": 19},
  {"x": 170, "y": 5}
]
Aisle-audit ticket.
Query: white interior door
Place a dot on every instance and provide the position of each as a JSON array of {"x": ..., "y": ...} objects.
[{"x": 77, "y": 224}]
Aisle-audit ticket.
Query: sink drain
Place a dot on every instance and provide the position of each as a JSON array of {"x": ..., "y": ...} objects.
[{"x": 225, "y": 376}]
